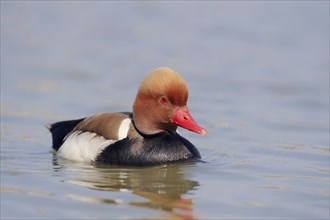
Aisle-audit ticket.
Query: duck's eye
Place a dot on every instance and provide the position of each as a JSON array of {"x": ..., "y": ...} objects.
[{"x": 164, "y": 100}]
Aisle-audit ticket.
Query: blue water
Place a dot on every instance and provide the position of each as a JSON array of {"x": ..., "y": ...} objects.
[{"x": 258, "y": 74}]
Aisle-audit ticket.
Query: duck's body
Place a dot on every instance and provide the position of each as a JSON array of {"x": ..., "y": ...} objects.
[{"x": 145, "y": 137}]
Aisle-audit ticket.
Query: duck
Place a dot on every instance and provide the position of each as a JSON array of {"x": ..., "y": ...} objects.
[{"x": 146, "y": 136}]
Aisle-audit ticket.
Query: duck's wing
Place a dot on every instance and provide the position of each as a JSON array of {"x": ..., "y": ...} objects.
[{"x": 84, "y": 139}]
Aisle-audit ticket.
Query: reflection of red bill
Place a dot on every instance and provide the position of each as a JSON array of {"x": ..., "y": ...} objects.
[{"x": 183, "y": 204}]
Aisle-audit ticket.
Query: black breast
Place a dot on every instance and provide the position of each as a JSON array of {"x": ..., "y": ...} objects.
[{"x": 149, "y": 150}]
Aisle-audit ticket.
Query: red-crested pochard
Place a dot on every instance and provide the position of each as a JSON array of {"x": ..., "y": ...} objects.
[{"x": 147, "y": 136}]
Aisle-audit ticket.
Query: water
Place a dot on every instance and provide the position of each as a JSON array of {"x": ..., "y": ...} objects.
[{"x": 258, "y": 74}]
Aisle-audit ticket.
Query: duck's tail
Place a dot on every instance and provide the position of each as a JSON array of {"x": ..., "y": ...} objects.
[{"x": 60, "y": 129}]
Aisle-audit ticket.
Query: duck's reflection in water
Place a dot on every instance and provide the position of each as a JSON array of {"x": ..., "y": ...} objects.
[{"x": 164, "y": 187}]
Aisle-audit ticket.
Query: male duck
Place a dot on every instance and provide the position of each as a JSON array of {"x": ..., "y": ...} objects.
[{"x": 145, "y": 137}]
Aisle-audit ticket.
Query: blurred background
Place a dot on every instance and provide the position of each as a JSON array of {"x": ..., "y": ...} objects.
[{"x": 258, "y": 73}]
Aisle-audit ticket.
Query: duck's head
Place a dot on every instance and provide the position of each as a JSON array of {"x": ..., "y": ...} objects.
[{"x": 161, "y": 104}]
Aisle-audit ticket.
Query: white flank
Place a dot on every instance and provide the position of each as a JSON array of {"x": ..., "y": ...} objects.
[
  {"x": 123, "y": 128},
  {"x": 83, "y": 146}
]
